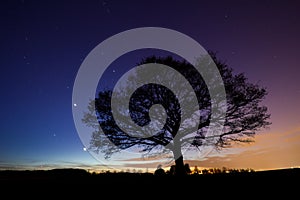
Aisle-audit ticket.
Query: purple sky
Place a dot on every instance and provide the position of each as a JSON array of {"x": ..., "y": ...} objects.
[{"x": 43, "y": 44}]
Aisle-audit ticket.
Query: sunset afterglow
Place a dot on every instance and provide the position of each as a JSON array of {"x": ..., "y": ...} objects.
[{"x": 43, "y": 44}]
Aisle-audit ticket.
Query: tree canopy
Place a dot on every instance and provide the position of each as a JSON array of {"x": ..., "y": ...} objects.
[{"x": 174, "y": 129}]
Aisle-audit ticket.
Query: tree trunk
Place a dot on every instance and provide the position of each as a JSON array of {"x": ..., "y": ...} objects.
[{"x": 179, "y": 165}]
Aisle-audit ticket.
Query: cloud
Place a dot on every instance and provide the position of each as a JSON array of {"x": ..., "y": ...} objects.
[
  {"x": 152, "y": 165},
  {"x": 269, "y": 151},
  {"x": 37, "y": 165}
]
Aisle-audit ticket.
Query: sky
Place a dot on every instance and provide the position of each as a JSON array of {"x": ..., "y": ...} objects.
[{"x": 43, "y": 44}]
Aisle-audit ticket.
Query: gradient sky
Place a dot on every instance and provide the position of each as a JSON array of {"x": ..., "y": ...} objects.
[{"x": 43, "y": 44}]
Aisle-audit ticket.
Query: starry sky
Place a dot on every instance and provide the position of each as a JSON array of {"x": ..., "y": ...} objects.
[{"x": 43, "y": 44}]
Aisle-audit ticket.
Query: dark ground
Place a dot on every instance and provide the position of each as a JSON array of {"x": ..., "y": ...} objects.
[{"x": 274, "y": 183}]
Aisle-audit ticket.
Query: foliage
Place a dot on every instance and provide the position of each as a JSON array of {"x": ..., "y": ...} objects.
[{"x": 244, "y": 114}]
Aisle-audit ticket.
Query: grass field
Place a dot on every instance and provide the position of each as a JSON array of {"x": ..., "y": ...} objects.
[
  {"x": 76, "y": 176},
  {"x": 67, "y": 183}
]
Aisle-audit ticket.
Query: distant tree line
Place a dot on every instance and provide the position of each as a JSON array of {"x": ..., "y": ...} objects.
[
  {"x": 171, "y": 171},
  {"x": 196, "y": 170}
]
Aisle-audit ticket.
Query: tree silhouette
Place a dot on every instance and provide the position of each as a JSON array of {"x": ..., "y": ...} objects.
[
  {"x": 187, "y": 168},
  {"x": 196, "y": 170},
  {"x": 244, "y": 114},
  {"x": 159, "y": 171}
]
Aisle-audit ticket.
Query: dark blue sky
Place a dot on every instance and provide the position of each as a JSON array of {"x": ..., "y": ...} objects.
[{"x": 43, "y": 44}]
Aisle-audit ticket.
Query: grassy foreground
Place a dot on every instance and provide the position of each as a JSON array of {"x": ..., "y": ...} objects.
[
  {"x": 76, "y": 176},
  {"x": 67, "y": 183}
]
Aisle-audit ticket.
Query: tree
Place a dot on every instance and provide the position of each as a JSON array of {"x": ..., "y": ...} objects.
[
  {"x": 159, "y": 171},
  {"x": 187, "y": 168},
  {"x": 243, "y": 118},
  {"x": 196, "y": 170}
]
